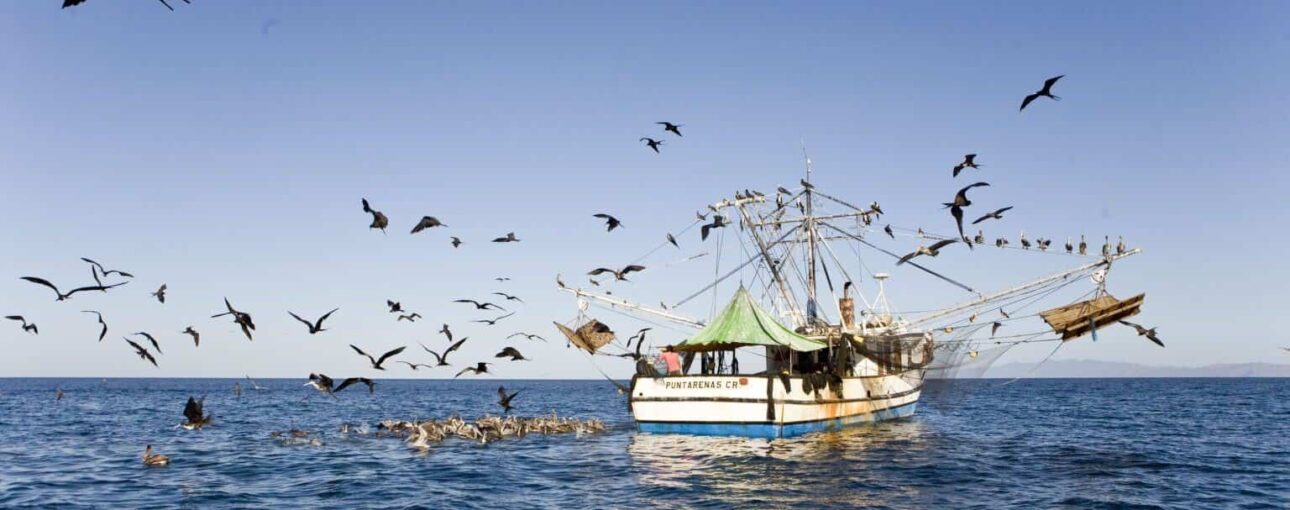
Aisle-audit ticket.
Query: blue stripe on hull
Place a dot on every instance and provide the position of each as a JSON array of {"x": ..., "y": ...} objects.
[{"x": 775, "y": 430}]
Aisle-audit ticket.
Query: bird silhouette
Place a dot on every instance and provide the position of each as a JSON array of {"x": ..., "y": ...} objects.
[
  {"x": 160, "y": 294},
  {"x": 377, "y": 362},
  {"x": 961, "y": 201},
  {"x": 718, "y": 221},
  {"x": 412, "y": 317},
  {"x": 997, "y": 214},
  {"x": 493, "y": 322},
  {"x": 104, "y": 271},
  {"x": 414, "y": 366},
  {"x": 68, "y": 295},
  {"x": 511, "y": 352},
  {"x": 151, "y": 339},
  {"x": 930, "y": 251},
  {"x": 889, "y": 232},
  {"x": 447, "y": 332},
  {"x": 194, "y": 416},
  {"x": 316, "y": 326},
  {"x": 668, "y": 126},
  {"x": 427, "y": 222},
  {"x": 480, "y": 306},
  {"x": 652, "y": 143},
  {"x": 1142, "y": 331},
  {"x": 1047, "y": 91},
  {"x": 30, "y": 328},
  {"x": 104, "y": 328},
  {"x": 508, "y": 296},
  {"x": 509, "y": 238},
  {"x": 142, "y": 352},
  {"x": 197, "y": 337},
  {"x": 379, "y": 220},
  {"x": 969, "y": 161},
  {"x": 672, "y": 239},
  {"x": 504, "y": 399},
  {"x": 442, "y": 359},
  {"x": 242, "y": 319},
  {"x": 610, "y": 221},
  {"x": 479, "y": 368},
  {"x": 529, "y": 336},
  {"x": 456, "y": 242},
  {"x": 620, "y": 274},
  {"x": 395, "y": 306}
]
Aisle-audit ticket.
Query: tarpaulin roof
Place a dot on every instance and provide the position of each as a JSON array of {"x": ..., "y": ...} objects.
[{"x": 743, "y": 324}]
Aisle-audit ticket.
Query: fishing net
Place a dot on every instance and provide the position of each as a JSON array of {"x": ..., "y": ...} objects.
[{"x": 589, "y": 337}]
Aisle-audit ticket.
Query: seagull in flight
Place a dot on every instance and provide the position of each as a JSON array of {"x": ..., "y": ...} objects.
[
  {"x": 620, "y": 275},
  {"x": 379, "y": 220},
  {"x": 160, "y": 294},
  {"x": 480, "y": 306},
  {"x": 610, "y": 221},
  {"x": 668, "y": 126},
  {"x": 509, "y": 238},
  {"x": 68, "y": 295},
  {"x": 479, "y": 368},
  {"x": 427, "y": 222},
  {"x": 529, "y": 336},
  {"x": 30, "y": 328},
  {"x": 376, "y": 362},
  {"x": 142, "y": 352},
  {"x": 442, "y": 360},
  {"x": 652, "y": 143},
  {"x": 242, "y": 319},
  {"x": 1142, "y": 331},
  {"x": 1047, "y": 92},
  {"x": 504, "y": 399},
  {"x": 197, "y": 337},
  {"x": 104, "y": 330},
  {"x": 508, "y": 296},
  {"x": 969, "y": 161},
  {"x": 316, "y": 326},
  {"x": 493, "y": 322},
  {"x": 930, "y": 251},
  {"x": 511, "y": 352}
]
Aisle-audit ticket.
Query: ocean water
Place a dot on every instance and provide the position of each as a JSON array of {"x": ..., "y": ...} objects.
[{"x": 1108, "y": 443}]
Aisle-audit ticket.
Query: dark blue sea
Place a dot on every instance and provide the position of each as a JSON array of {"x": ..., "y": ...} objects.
[{"x": 1106, "y": 443}]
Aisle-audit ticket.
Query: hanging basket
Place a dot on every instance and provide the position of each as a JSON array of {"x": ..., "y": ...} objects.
[{"x": 589, "y": 337}]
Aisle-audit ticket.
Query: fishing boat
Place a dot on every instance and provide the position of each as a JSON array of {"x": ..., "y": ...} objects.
[{"x": 811, "y": 366}]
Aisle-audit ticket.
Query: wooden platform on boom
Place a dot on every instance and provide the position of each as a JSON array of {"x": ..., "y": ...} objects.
[{"x": 1077, "y": 319}]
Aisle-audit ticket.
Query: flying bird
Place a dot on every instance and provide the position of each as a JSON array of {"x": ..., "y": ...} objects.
[
  {"x": 718, "y": 221},
  {"x": 376, "y": 362},
  {"x": 511, "y": 352},
  {"x": 316, "y": 326},
  {"x": 969, "y": 161},
  {"x": 427, "y": 222},
  {"x": 1149, "y": 333},
  {"x": 668, "y": 126},
  {"x": 414, "y": 366},
  {"x": 379, "y": 220},
  {"x": 104, "y": 271},
  {"x": 194, "y": 418},
  {"x": 104, "y": 330},
  {"x": 442, "y": 359},
  {"x": 242, "y": 319},
  {"x": 160, "y": 294},
  {"x": 620, "y": 274},
  {"x": 479, "y": 368},
  {"x": 30, "y": 328},
  {"x": 395, "y": 307},
  {"x": 456, "y": 241},
  {"x": 504, "y": 399},
  {"x": 447, "y": 332},
  {"x": 889, "y": 232},
  {"x": 64, "y": 297},
  {"x": 672, "y": 239},
  {"x": 652, "y": 143},
  {"x": 197, "y": 337},
  {"x": 142, "y": 352},
  {"x": 529, "y": 336},
  {"x": 480, "y": 306},
  {"x": 930, "y": 251},
  {"x": 994, "y": 215},
  {"x": 150, "y": 338},
  {"x": 509, "y": 238},
  {"x": 961, "y": 201},
  {"x": 1047, "y": 91},
  {"x": 323, "y": 384},
  {"x": 610, "y": 221},
  {"x": 994, "y": 328},
  {"x": 412, "y": 317},
  {"x": 493, "y": 322},
  {"x": 508, "y": 296}
]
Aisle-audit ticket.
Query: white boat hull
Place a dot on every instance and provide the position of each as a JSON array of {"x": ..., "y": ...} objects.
[{"x": 735, "y": 405}]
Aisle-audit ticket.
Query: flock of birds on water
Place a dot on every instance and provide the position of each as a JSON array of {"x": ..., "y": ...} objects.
[{"x": 422, "y": 433}]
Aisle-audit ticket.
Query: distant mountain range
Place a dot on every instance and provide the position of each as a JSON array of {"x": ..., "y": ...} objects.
[{"x": 1091, "y": 368}]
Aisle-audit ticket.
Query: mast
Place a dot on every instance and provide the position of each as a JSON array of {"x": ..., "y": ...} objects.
[{"x": 812, "y": 307}]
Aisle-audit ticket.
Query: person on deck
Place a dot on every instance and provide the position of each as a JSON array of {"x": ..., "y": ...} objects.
[{"x": 673, "y": 361}]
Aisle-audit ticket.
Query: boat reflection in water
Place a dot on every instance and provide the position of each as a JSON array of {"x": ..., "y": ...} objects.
[{"x": 815, "y": 469}]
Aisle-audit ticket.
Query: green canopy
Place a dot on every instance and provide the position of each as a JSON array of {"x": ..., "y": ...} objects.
[{"x": 743, "y": 324}]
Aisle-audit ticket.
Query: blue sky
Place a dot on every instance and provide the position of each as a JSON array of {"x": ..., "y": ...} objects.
[{"x": 223, "y": 149}]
